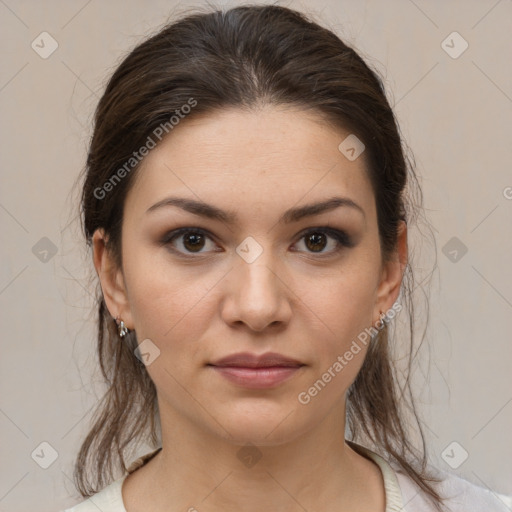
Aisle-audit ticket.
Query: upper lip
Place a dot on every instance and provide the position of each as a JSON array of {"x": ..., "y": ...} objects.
[{"x": 248, "y": 360}]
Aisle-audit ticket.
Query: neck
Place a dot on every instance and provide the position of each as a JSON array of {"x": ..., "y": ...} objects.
[{"x": 317, "y": 470}]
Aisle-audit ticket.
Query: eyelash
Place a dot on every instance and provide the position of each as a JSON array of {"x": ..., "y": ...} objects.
[{"x": 342, "y": 239}]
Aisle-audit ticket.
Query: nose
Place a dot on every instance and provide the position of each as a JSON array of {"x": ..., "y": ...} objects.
[{"x": 257, "y": 295}]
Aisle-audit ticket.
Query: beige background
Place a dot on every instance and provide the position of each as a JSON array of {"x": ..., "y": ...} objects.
[{"x": 456, "y": 116}]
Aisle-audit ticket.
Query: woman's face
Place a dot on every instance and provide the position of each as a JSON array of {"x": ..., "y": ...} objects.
[{"x": 256, "y": 277}]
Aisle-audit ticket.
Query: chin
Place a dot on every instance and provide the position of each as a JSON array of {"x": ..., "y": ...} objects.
[{"x": 260, "y": 424}]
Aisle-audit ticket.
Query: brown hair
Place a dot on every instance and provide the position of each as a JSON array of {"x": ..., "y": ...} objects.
[{"x": 245, "y": 57}]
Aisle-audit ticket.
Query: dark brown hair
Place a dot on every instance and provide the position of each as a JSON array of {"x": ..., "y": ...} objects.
[{"x": 245, "y": 57}]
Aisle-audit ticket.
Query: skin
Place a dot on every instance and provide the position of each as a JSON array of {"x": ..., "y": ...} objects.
[{"x": 290, "y": 300}]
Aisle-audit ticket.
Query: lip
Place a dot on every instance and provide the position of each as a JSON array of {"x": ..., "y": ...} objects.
[
  {"x": 257, "y": 371},
  {"x": 248, "y": 360}
]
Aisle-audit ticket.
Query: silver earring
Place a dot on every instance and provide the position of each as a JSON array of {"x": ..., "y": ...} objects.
[
  {"x": 121, "y": 328},
  {"x": 374, "y": 335}
]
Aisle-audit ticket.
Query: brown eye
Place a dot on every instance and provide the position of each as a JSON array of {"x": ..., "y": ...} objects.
[
  {"x": 318, "y": 239},
  {"x": 316, "y": 242},
  {"x": 193, "y": 241},
  {"x": 189, "y": 241}
]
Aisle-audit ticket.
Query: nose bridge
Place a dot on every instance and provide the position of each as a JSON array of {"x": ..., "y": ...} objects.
[
  {"x": 258, "y": 296},
  {"x": 256, "y": 272}
]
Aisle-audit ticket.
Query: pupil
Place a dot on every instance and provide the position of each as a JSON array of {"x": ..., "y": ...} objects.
[
  {"x": 317, "y": 239},
  {"x": 194, "y": 240}
]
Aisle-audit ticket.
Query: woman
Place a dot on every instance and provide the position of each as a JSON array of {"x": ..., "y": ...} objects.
[{"x": 245, "y": 200}]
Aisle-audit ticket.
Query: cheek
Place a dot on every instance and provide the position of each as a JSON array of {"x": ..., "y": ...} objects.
[
  {"x": 166, "y": 300},
  {"x": 342, "y": 307},
  {"x": 342, "y": 304}
]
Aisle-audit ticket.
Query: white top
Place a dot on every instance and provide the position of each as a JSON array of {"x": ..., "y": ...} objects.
[{"x": 402, "y": 493}]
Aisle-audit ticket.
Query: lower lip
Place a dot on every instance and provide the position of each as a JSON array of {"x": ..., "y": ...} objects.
[{"x": 257, "y": 378}]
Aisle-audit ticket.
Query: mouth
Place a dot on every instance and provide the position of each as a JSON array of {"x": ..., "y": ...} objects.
[{"x": 257, "y": 371}]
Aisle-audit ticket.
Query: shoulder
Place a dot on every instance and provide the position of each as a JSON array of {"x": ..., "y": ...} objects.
[
  {"x": 460, "y": 494},
  {"x": 109, "y": 499}
]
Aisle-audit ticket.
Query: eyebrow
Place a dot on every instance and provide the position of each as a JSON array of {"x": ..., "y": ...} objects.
[{"x": 292, "y": 215}]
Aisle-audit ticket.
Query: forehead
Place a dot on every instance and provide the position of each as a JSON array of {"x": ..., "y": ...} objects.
[{"x": 266, "y": 160}]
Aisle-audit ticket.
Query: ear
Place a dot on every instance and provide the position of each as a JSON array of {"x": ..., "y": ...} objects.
[
  {"x": 111, "y": 279},
  {"x": 392, "y": 274}
]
